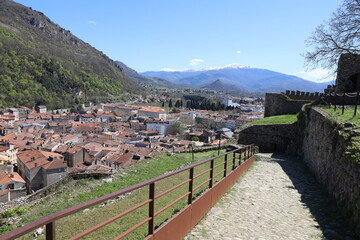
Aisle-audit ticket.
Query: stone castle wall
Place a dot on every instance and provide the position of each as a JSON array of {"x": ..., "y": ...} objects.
[
  {"x": 348, "y": 68},
  {"x": 270, "y": 138},
  {"x": 279, "y": 104},
  {"x": 323, "y": 147},
  {"x": 324, "y": 152}
]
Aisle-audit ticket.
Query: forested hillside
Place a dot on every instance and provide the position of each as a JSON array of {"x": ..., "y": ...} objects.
[{"x": 42, "y": 63}]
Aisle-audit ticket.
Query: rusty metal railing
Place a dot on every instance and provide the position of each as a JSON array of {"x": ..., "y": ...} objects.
[{"x": 230, "y": 161}]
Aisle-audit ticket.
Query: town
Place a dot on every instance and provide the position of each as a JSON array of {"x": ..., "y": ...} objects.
[{"x": 38, "y": 148}]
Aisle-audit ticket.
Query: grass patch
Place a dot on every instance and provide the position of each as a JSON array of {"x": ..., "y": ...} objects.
[
  {"x": 86, "y": 189},
  {"x": 348, "y": 115},
  {"x": 335, "y": 118},
  {"x": 280, "y": 119}
]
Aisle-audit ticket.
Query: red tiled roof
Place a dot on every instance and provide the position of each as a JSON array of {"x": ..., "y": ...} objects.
[
  {"x": 55, "y": 164},
  {"x": 3, "y": 148}
]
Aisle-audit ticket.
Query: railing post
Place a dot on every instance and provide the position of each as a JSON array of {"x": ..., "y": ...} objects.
[
  {"x": 151, "y": 207},
  {"x": 50, "y": 231},
  {"x": 343, "y": 104},
  {"x": 356, "y": 103},
  {"x": 225, "y": 165},
  {"x": 233, "y": 167},
  {"x": 191, "y": 177},
  {"x": 211, "y": 173},
  {"x": 240, "y": 152}
]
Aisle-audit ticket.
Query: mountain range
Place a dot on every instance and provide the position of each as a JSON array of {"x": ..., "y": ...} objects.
[
  {"x": 236, "y": 77},
  {"x": 148, "y": 82}
]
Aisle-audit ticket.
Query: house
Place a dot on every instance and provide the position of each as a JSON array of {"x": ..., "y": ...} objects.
[
  {"x": 152, "y": 112},
  {"x": 8, "y": 154},
  {"x": 15, "y": 112},
  {"x": 137, "y": 126},
  {"x": 41, "y": 108},
  {"x": 226, "y": 132},
  {"x": 87, "y": 117},
  {"x": 86, "y": 128},
  {"x": 6, "y": 129},
  {"x": 225, "y": 124},
  {"x": 117, "y": 161},
  {"x": 159, "y": 125},
  {"x": 124, "y": 111},
  {"x": 40, "y": 169},
  {"x": 12, "y": 186},
  {"x": 9, "y": 118},
  {"x": 59, "y": 117},
  {"x": 75, "y": 156},
  {"x": 23, "y": 112},
  {"x": 207, "y": 122},
  {"x": 105, "y": 117},
  {"x": 130, "y": 137},
  {"x": 242, "y": 120},
  {"x": 188, "y": 115}
]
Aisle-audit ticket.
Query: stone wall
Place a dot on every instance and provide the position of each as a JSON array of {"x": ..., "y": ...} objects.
[
  {"x": 299, "y": 95},
  {"x": 324, "y": 152},
  {"x": 347, "y": 79},
  {"x": 13, "y": 195},
  {"x": 279, "y": 104},
  {"x": 270, "y": 138}
]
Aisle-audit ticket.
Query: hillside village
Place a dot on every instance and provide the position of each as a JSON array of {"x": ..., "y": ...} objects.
[{"x": 39, "y": 148}]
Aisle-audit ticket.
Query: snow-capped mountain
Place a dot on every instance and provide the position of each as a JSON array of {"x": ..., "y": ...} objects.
[{"x": 240, "y": 76}]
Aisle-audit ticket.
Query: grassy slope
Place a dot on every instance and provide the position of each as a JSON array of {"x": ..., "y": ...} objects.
[
  {"x": 336, "y": 118},
  {"x": 281, "y": 119},
  {"x": 76, "y": 192},
  {"x": 348, "y": 115}
]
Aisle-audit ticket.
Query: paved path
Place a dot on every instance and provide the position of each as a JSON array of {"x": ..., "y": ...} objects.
[{"x": 277, "y": 199}]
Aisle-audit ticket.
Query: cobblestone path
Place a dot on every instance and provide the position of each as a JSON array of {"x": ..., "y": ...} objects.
[{"x": 277, "y": 199}]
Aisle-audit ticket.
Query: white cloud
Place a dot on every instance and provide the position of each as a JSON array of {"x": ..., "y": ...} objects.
[
  {"x": 238, "y": 51},
  {"x": 195, "y": 61},
  {"x": 316, "y": 75},
  {"x": 91, "y": 22}
]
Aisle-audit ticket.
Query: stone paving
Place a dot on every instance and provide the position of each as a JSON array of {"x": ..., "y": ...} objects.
[{"x": 276, "y": 199}]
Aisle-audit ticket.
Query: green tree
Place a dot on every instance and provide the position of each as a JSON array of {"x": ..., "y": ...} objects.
[
  {"x": 195, "y": 138},
  {"x": 176, "y": 128}
]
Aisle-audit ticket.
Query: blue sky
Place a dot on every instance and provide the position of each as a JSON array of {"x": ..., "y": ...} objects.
[{"x": 193, "y": 34}]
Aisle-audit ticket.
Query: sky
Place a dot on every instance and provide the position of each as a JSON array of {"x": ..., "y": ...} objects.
[{"x": 153, "y": 35}]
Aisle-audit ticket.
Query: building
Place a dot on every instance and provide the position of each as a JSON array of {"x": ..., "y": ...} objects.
[
  {"x": 41, "y": 109},
  {"x": 8, "y": 154},
  {"x": 12, "y": 186},
  {"x": 40, "y": 169},
  {"x": 159, "y": 126},
  {"x": 229, "y": 103},
  {"x": 152, "y": 112}
]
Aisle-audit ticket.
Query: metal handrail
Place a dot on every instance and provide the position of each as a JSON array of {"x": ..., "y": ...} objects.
[{"x": 49, "y": 221}]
